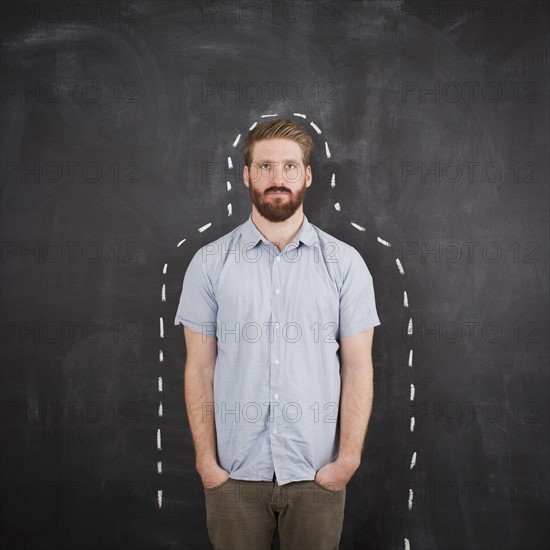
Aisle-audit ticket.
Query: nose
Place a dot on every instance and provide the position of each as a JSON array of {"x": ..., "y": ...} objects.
[{"x": 277, "y": 174}]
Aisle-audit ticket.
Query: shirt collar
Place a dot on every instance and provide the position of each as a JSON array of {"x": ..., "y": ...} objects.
[{"x": 251, "y": 235}]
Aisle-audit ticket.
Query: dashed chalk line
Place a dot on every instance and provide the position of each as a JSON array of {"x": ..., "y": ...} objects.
[{"x": 337, "y": 207}]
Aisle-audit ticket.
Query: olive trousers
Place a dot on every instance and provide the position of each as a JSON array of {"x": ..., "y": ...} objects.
[{"x": 244, "y": 515}]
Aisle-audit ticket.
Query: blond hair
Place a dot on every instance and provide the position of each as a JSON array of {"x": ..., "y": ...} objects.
[{"x": 280, "y": 128}]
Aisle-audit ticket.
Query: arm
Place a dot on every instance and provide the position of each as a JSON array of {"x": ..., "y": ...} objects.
[
  {"x": 199, "y": 400},
  {"x": 356, "y": 395}
]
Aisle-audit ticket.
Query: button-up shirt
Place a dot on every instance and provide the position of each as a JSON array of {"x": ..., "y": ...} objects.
[{"x": 277, "y": 317}]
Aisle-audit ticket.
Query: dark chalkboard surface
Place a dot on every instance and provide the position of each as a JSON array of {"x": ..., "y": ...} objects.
[{"x": 430, "y": 123}]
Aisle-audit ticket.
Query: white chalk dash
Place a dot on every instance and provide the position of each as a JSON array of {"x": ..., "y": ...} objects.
[
  {"x": 327, "y": 150},
  {"x": 300, "y": 115},
  {"x": 253, "y": 126},
  {"x": 399, "y": 266},
  {"x": 413, "y": 461},
  {"x": 159, "y": 468},
  {"x": 161, "y": 356},
  {"x": 165, "y": 269},
  {"x": 405, "y": 299},
  {"x": 407, "y": 544},
  {"x": 236, "y": 140},
  {"x": 410, "y": 499},
  {"x": 358, "y": 227},
  {"x": 382, "y": 241},
  {"x": 270, "y": 115},
  {"x": 228, "y": 185},
  {"x": 411, "y": 358},
  {"x": 159, "y": 446},
  {"x": 337, "y": 206},
  {"x": 412, "y": 392},
  {"x": 412, "y": 424},
  {"x": 315, "y": 127},
  {"x": 205, "y": 227},
  {"x": 163, "y": 293},
  {"x": 160, "y": 409},
  {"x": 229, "y": 209},
  {"x": 161, "y": 326},
  {"x": 160, "y": 383},
  {"x": 181, "y": 242},
  {"x": 410, "y": 326},
  {"x": 229, "y": 163},
  {"x": 159, "y": 498},
  {"x": 333, "y": 181}
]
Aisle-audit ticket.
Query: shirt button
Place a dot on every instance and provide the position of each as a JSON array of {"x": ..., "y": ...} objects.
[
  {"x": 277, "y": 291},
  {"x": 276, "y": 396},
  {"x": 276, "y": 361},
  {"x": 276, "y": 325},
  {"x": 275, "y": 431}
]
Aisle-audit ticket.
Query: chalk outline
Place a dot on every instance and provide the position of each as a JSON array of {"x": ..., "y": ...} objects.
[{"x": 337, "y": 207}]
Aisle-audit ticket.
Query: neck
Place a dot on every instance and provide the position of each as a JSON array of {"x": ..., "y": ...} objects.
[{"x": 279, "y": 233}]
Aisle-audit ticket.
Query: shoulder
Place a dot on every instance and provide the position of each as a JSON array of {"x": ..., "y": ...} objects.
[
  {"x": 213, "y": 253},
  {"x": 344, "y": 262},
  {"x": 339, "y": 251}
]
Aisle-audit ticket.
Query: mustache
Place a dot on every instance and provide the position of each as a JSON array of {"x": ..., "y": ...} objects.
[{"x": 278, "y": 189}]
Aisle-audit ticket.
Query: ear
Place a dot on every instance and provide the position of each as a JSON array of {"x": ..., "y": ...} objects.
[
  {"x": 246, "y": 175},
  {"x": 309, "y": 177}
]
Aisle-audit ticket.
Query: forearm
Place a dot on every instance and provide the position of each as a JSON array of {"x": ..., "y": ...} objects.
[
  {"x": 356, "y": 396},
  {"x": 199, "y": 400}
]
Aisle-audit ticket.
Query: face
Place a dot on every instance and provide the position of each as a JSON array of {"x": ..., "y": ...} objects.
[{"x": 277, "y": 180}]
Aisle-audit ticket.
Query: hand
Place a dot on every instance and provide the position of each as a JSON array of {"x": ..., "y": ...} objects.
[
  {"x": 334, "y": 476},
  {"x": 212, "y": 476}
]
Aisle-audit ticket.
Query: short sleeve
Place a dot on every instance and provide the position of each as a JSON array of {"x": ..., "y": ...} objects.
[
  {"x": 357, "y": 302},
  {"x": 197, "y": 308}
]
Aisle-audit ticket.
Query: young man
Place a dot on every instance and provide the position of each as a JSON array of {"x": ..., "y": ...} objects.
[{"x": 278, "y": 321}]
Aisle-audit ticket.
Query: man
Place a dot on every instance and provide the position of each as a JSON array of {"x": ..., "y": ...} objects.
[{"x": 278, "y": 321}]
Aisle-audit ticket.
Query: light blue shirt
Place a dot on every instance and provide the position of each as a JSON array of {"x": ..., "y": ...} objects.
[{"x": 277, "y": 317}]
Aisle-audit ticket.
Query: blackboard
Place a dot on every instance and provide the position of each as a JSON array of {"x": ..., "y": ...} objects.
[{"x": 118, "y": 120}]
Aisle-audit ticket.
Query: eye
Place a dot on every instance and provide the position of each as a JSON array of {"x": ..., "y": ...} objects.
[
  {"x": 290, "y": 165},
  {"x": 264, "y": 165}
]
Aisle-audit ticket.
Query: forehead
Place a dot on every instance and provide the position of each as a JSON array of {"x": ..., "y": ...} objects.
[{"x": 275, "y": 149}]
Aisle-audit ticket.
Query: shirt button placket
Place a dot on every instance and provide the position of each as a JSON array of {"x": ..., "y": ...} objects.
[{"x": 277, "y": 309}]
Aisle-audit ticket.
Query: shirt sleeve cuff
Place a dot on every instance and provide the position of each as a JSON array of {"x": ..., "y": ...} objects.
[{"x": 361, "y": 326}]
